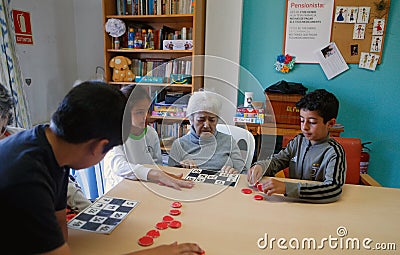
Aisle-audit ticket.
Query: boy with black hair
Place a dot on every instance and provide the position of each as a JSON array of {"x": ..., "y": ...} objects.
[
  {"x": 312, "y": 155},
  {"x": 35, "y": 165},
  {"x": 76, "y": 200}
]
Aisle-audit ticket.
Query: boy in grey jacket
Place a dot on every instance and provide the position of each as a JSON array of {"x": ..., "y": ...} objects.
[{"x": 312, "y": 155}]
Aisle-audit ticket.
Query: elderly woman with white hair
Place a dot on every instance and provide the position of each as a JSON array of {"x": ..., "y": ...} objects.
[
  {"x": 204, "y": 147},
  {"x": 6, "y": 114}
]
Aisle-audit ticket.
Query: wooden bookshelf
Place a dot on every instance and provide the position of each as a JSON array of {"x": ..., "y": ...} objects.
[{"x": 194, "y": 20}]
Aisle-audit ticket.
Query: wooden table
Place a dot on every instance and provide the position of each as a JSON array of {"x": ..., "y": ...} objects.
[{"x": 226, "y": 221}]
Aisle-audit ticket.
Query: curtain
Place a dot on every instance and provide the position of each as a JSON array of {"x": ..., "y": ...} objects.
[
  {"x": 10, "y": 72},
  {"x": 91, "y": 180}
]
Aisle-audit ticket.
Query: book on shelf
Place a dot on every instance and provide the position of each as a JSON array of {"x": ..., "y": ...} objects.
[
  {"x": 149, "y": 79},
  {"x": 243, "y": 109},
  {"x": 161, "y": 68},
  {"x": 150, "y": 7},
  {"x": 249, "y": 120},
  {"x": 169, "y": 114},
  {"x": 154, "y": 7},
  {"x": 129, "y": 7},
  {"x": 250, "y": 115},
  {"x": 172, "y": 107},
  {"x": 169, "y": 132},
  {"x": 169, "y": 109}
]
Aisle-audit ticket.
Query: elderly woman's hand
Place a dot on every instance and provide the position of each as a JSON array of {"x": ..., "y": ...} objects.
[
  {"x": 229, "y": 170},
  {"x": 188, "y": 163}
]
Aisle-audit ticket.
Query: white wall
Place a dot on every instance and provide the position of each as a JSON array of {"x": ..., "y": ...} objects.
[
  {"x": 51, "y": 61},
  {"x": 89, "y": 31},
  {"x": 68, "y": 45},
  {"x": 223, "y": 39}
]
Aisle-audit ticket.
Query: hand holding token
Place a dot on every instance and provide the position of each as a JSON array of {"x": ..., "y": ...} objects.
[
  {"x": 272, "y": 186},
  {"x": 254, "y": 174}
]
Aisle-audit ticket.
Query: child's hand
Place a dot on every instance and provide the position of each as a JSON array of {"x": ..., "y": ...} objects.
[
  {"x": 229, "y": 170},
  {"x": 173, "y": 249},
  {"x": 254, "y": 174},
  {"x": 172, "y": 180},
  {"x": 273, "y": 186}
]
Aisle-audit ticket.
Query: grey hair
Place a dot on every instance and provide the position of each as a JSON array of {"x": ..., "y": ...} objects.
[{"x": 204, "y": 101}]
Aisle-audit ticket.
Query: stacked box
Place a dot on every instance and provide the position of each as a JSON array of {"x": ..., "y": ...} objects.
[
  {"x": 169, "y": 110},
  {"x": 249, "y": 115}
]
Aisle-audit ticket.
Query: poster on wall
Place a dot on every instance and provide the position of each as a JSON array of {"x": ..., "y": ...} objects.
[
  {"x": 331, "y": 60},
  {"x": 22, "y": 25},
  {"x": 307, "y": 28}
]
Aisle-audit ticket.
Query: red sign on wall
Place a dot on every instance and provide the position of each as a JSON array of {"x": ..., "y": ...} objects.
[{"x": 22, "y": 24}]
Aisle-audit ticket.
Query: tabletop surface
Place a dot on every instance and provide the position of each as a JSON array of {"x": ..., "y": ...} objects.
[{"x": 223, "y": 220}]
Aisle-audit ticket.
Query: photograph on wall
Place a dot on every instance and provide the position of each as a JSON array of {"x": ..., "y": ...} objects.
[
  {"x": 331, "y": 60},
  {"x": 379, "y": 24},
  {"x": 368, "y": 61},
  {"x": 354, "y": 49},
  {"x": 359, "y": 31},
  {"x": 376, "y": 44},
  {"x": 363, "y": 14},
  {"x": 351, "y": 16},
  {"x": 307, "y": 27},
  {"x": 340, "y": 14}
]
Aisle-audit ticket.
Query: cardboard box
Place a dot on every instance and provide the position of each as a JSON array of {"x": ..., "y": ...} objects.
[
  {"x": 283, "y": 106},
  {"x": 177, "y": 44}
]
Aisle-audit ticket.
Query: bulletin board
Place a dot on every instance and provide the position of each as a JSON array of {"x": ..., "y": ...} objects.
[
  {"x": 355, "y": 35},
  {"x": 308, "y": 25}
]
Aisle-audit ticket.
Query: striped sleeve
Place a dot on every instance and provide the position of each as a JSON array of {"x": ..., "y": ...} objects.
[{"x": 330, "y": 189}]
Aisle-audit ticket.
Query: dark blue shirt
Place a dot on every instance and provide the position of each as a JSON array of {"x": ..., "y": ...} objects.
[{"x": 32, "y": 188}]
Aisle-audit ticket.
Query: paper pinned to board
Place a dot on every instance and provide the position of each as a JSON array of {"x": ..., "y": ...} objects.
[{"x": 331, "y": 60}]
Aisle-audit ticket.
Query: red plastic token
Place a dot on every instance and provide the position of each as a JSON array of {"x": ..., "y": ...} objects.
[
  {"x": 246, "y": 191},
  {"x": 260, "y": 187},
  {"x": 70, "y": 216},
  {"x": 167, "y": 218},
  {"x": 174, "y": 212},
  {"x": 176, "y": 205},
  {"x": 162, "y": 225},
  {"x": 256, "y": 184},
  {"x": 153, "y": 233},
  {"x": 175, "y": 224},
  {"x": 258, "y": 197},
  {"x": 145, "y": 241}
]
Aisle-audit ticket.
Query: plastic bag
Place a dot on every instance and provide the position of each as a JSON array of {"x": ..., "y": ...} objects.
[{"x": 285, "y": 87}]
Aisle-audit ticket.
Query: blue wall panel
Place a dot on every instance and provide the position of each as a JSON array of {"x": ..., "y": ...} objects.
[{"x": 369, "y": 100}]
